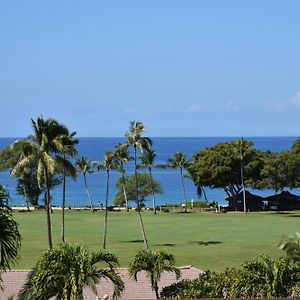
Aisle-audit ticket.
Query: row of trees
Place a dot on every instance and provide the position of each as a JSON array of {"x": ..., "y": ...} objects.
[
  {"x": 235, "y": 165},
  {"x": 49, "y": 155}
]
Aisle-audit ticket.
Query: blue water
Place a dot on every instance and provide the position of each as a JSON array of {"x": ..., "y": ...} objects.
[{"x": 94, "y": 149}]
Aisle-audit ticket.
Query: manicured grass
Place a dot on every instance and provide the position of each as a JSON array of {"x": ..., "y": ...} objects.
[{"x": 204, "y": 240}]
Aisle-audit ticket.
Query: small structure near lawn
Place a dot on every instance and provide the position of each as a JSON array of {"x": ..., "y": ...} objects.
[
  {"x": 253, "y": 202},
  {"x": 283, "y": 201}
]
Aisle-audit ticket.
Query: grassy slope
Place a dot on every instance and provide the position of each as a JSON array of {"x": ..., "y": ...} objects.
[{"x": 204, "y": 240}]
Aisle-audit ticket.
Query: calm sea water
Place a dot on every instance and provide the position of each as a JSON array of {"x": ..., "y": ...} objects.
[{"x": 165, "y": 147}]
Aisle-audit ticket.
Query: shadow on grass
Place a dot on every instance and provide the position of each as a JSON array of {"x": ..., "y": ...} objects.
[
  {"x": 166, "y": 245},
  {"x": 207, "y": 243},
  {"x": 294, "y": 216},
  {"x": 136, "y": 241}
]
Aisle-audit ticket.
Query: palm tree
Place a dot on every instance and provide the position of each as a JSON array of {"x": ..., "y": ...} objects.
[
  {"x": 43, "y": 147},
  {"x": 147, "y": 159},
  {"x": 179, "y": 161},
  {"x": 84, "y": 166},
  {"x": 108, "y": 164},
  {"x": 291, "y": 246},
  {"x": 68, "y": 169},
  {"x": 122, "y": 156},
  {"x": 72, "y": 268},
  {"x": 135, "y": 139},
  {"x": 10, "y": 238},
  {"x": 241, "y": 153},
  {"x": 154, "y": 263}
]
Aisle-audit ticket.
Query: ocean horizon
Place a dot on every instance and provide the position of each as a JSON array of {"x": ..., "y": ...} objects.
[{"x": 95, "y": 147}]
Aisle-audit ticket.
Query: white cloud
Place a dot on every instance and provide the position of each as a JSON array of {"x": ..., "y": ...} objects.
[
  {"x": 279, "y": 105},
  {"x": 232, "y": 106},
  {"x": 194, "y": 108},
  {"x": 163, "y": 111},
  {"x": 296, "y": 99},
  {"x": 129, "y": 110}
]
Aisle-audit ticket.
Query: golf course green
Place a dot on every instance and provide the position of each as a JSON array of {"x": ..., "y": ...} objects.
[{"x": 204, "y": 240}]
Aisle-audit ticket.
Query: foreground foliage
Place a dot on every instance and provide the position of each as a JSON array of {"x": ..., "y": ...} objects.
[
  {"x": 263, "y": 277},
  {"x": 154, "y": 263},
  {"x": 10, "y": 238},
  {"x": 65, "y": 270}
]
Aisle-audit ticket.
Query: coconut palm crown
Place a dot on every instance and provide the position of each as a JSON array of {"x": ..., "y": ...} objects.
[
  {"x": 65, "y": 270},
  {"x": 179, "y": 161},
  {"x": 154, "y": 263},
  {"x": 43, "y": 147}
]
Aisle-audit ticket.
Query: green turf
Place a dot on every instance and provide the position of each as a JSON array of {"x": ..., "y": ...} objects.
[{"x": 204, "y": 240}]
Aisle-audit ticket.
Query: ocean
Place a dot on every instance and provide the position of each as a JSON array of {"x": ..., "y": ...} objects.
[{"x": 165, "y": 147}]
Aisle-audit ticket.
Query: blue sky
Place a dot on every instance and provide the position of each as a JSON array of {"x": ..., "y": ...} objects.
[{"x": 184, "y": 68}]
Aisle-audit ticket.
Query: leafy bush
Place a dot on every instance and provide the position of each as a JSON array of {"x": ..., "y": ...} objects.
[{"x": 263, "y": 277}]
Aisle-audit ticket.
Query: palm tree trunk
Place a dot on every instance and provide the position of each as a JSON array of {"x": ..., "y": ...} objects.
[
  {"x": 243, "y": 186},
  {"x": 88, "y": 193},
  {"x": 125, "y": 193},
  {"x": 138, "y": 202},
  {"x": 152, "y": 190},
  {"x": 156, "y": 292},
  {"x": 48, "y": 207},
  {"x": 63, "y": 206},
  {"x": 106, "y": 208},
  {"x": 183, "y": 189},
  {"x": 25, "y": 195}
]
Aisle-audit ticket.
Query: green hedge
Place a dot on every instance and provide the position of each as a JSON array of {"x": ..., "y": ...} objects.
[{"x": 263, "y": 277}]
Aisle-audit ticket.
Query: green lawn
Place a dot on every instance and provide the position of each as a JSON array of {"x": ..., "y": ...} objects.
[{"x": 204, "y": 240}]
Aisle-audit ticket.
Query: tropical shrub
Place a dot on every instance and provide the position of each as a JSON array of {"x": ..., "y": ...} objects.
[
  {"x": 10, "y": 238},
  {"x": 65, "y": 270},
  {"x": 263, "y": 277},
  {"x": 154, "y": 263}
]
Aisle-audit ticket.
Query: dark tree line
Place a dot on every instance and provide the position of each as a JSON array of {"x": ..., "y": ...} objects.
[{"x": 227, "y": 166}]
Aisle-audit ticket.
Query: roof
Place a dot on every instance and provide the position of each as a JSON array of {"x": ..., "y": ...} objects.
[
  {"x": 249, "y": 197},
  {"x": 283, "y": 196},
  {"x": 14, "y": 280}
]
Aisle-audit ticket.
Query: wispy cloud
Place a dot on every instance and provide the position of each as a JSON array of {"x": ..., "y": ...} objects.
[
  {"x": 296, "y": 99},
  {"x": 231, "y": 105},
  {"x": 129, "y": 110},
  {"x": 194, "y": 108},
  {"x": 280, "y": 105},
  {"x": 162, "y": 111},
  {"x": 277, "y": 105}
]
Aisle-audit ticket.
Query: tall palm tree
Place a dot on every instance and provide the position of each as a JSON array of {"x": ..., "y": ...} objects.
[
  {"x": 135, "y": 139},
  {"x": 122, "y": 156},
  {"x": 72, "y": 268},
  {"x": 44, "y": 147},
  {"x": 68, "y": 169},
  {"x": 10, "y": 238},
  {"x": 154, "y": 263},
  {"x": 84, "y": 166},
  {"x": 179, "y": 161},
  {"x": 108, "y": 164},
  {"x": 147, "y": 161},
  {"x": 242, "y": 149}
]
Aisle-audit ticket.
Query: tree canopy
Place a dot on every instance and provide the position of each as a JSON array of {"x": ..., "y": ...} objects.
[
  {"x": 144, "y": 186},
  {"x": 219, "y": 166}
]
